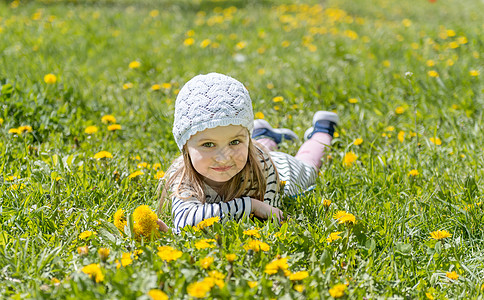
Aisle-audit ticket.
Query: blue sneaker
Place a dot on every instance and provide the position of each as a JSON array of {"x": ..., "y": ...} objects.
[
  {"x": 323, "y": 121},
  {"x": 262, "y": 129}
]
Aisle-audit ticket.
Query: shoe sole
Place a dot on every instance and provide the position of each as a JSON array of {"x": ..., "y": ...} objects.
[{"x": 263, "y": 124}]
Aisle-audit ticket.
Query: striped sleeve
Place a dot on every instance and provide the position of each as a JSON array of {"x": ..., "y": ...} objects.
[
  {"x": 191, "y": 211},
  {"x": 271, "y": 195}
]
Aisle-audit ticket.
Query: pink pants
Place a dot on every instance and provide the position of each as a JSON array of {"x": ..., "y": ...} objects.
[{"x": 311, "y": 152}]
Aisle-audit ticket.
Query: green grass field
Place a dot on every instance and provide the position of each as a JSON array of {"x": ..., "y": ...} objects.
[{"x": 405, "y": 78}]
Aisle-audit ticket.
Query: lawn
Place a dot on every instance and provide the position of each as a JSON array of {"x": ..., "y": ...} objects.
[{"x": 87, "y": 91}]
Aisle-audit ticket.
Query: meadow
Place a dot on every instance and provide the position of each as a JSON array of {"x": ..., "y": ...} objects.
[{"x": 87, "y": 91}]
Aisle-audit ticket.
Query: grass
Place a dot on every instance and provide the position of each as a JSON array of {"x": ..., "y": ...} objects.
[{"x": 401, "y": 75}]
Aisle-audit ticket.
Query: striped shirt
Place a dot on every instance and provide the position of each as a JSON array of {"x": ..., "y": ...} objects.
[{"x": 297, "y": 175}]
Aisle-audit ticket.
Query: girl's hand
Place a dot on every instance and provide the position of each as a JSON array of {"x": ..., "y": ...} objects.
[
  {"x": 265, "y": 211},
  {"x": 162, "y": 226}
]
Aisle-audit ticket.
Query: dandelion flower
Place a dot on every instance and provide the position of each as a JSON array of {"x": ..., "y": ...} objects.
[
  {"x": 277, "y": 264},
  {"x": 156, "y": 294},
  {"x": 155, "y": 87},
  {"x": 205, "y": 243},
  {"x": 14, "y": 131},
  {"x": 299, "y": 288},
  {"x": 114, "y": 127},
  {"x": 206, "y": 262},
  {"x": 452, "y": 275},
  {"x": 413, "y": 173},
  {"x": 207, "y": 222},
  {"x": 168, "y": 253},
  {"x": 166, "y": 85},
  {"x": 108, "y": 119},
  {"x": 90, "y": 129},
  {"x": 252, "y": 284},
  {"x": 1, "y": 121},
  {"x": 198, "y": 289},
  {"x": 134, "y": 64},
  {"x": 277, "y": 99},
  {"x": 298, "y": 275},
  {"x": 84, "y": 235},
  {"x": 188, "y": 42},
  {"x": 338, "y": 290},
  {"x": 103, "y": 253},
  {"x": 230, "y": 257},
  {"x": 438, "y": 235},
  {"x": 259, "y": 115},
  {"x": 126, "y": 259},
  {"x": 120, "y": 220},
  {"x": 144, "y": 220},
  {"x": 401, "y": 136},
  {"x": 334, "y": 236},
  {"x": 127, "y": 86},
  {"x": 474, "y": 73},
  {"x": 159, "y": 175},
  {"x": 358, "y": 141},
  {"x": 94, "y": 271},
  {"x": 436, "y": 141},
  {"x": 347, "y": 218},
  {"x": 349, "y": 159},
  {"x": 135, "y": 174},
  {"x": 252, "y": 232},
  {"x": 399, "y": 110},
  {"x": 326, "y": 202},
  {"x": 102, "y": 154},
  {"x": 256, "y": 245},
  {"x": 50, "y": 78},
  {"x": 83, "y": 250},
  {"x": 433, "y": 73},
  {"x": 353, "y": 100}
]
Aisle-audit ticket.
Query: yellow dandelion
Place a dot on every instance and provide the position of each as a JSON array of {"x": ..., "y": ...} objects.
[
  {"x": 198, "y": 289},
  {"x": 84, "y": 235},
  {"x": 406, "y": 22},
  {"x": 285, "y": 44},
  {"x": 452, "y": 275},
  {"x": 205, "y": 243},
  {"x": 454, "y": 45},
  {"x": 278, "y": 99},
  {"x": 50, "y": 78},
  {"x": 127, "y": 86},
  {"x": 429, "y": 296},
  {"x": 436, "y": 141},
  {"x": 159, "y": 175},
  {"x": 386, "y": 63},
  {"x": 103, "y": 253},
  {"x": 334, "y": 236},
  {"x": 94, "y": 271},
  {"x": 413, "y": 173},
  {"x": 156, "y": 294},
  {"x": 134, "y": 64},
  {"x": 299, "y": 288},
  {"x": 433, "y": 73},
  {"x": 440, "y": 234},
  {"x": 156, "y": 166},
  {"x": 114, "y": 127},
  {"x": 1, "y": 121},
  {"x": 474, "y": 73},
  {"x": 188, "y": 42},
  {"x": 277, "y": 264},
  {"x": 326, "y": 202},
  {"x": 259, "y": 115},
  {"x": 241, "y": 45},
  {"x": 270, "y": 86},
  {"x": 168, "y": 253},
  {"x": 207, "y": 222},
  {"x": 126, "y": 260},
  {"x": 256, "y": 245},
  {"x": 349, "y": 159},
  {"x": 353, "y": 100},
  {"x": 298, "y": 275},
  {"x": 154, "y": 13},
  {"x": 120, "y": 220},
  {"x": 338, "y": 290},
  {"x": 347, "y": 219},
  {"x": 25, "y": 128},
  {"x": 83, "y": 250},
  {"x": 399, "y": 110},
  {"x": 205, "y": 43},
  {"x": 91, "y": 129},
  {"x": 401, "y": 136},
  {"x": 14, "y": 131},
  {"x": 358, "y": 141},
  {"x": 135, "y": 174},
  {"x": 252, "y": 232},
  {"x": 462, "y": 40},
  {"x": 155, "y": 87},
  {"x": 230, "y": 257},
  {"x": 252, "y": 284},
  {"x": 102, "y": 154},
  {"x": 206, "y": 262},
  {"x": 166, "y": 85},
  {"x": 145, "y": 221},
  {"x": 108, "y": 119}
]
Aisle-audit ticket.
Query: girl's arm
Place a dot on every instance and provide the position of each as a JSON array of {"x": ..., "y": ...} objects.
[{"x": 191, "y": 212}]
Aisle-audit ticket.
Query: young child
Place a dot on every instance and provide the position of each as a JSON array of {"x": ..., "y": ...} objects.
[{"x": 222, "y": 171}]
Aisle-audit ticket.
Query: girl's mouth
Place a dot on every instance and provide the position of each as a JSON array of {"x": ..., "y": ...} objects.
[{"x": 222, "y": 169}]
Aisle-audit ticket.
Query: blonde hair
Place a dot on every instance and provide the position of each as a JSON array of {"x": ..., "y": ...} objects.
[{"x": 184, "y": 178}]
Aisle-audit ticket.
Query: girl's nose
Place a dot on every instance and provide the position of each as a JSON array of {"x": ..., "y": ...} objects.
[{"x": 223, "y": 155}]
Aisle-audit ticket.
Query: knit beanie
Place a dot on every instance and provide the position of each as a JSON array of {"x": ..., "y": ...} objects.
[{"x": 209, "y": 101}]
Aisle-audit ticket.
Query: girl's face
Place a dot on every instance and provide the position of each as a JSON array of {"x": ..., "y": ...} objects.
[{"x": 219, "y": 153}]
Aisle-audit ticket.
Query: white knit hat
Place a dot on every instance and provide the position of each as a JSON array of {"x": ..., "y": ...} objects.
[{"x": 208, "y": 101}]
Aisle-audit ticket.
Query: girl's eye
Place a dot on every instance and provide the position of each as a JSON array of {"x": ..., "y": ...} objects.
[
  {"x": 208, "y": 145},
  {"x": 234, "y": 142}
]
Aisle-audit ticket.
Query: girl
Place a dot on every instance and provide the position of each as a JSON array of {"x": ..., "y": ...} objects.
[{"x": 222, "y": 171}]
